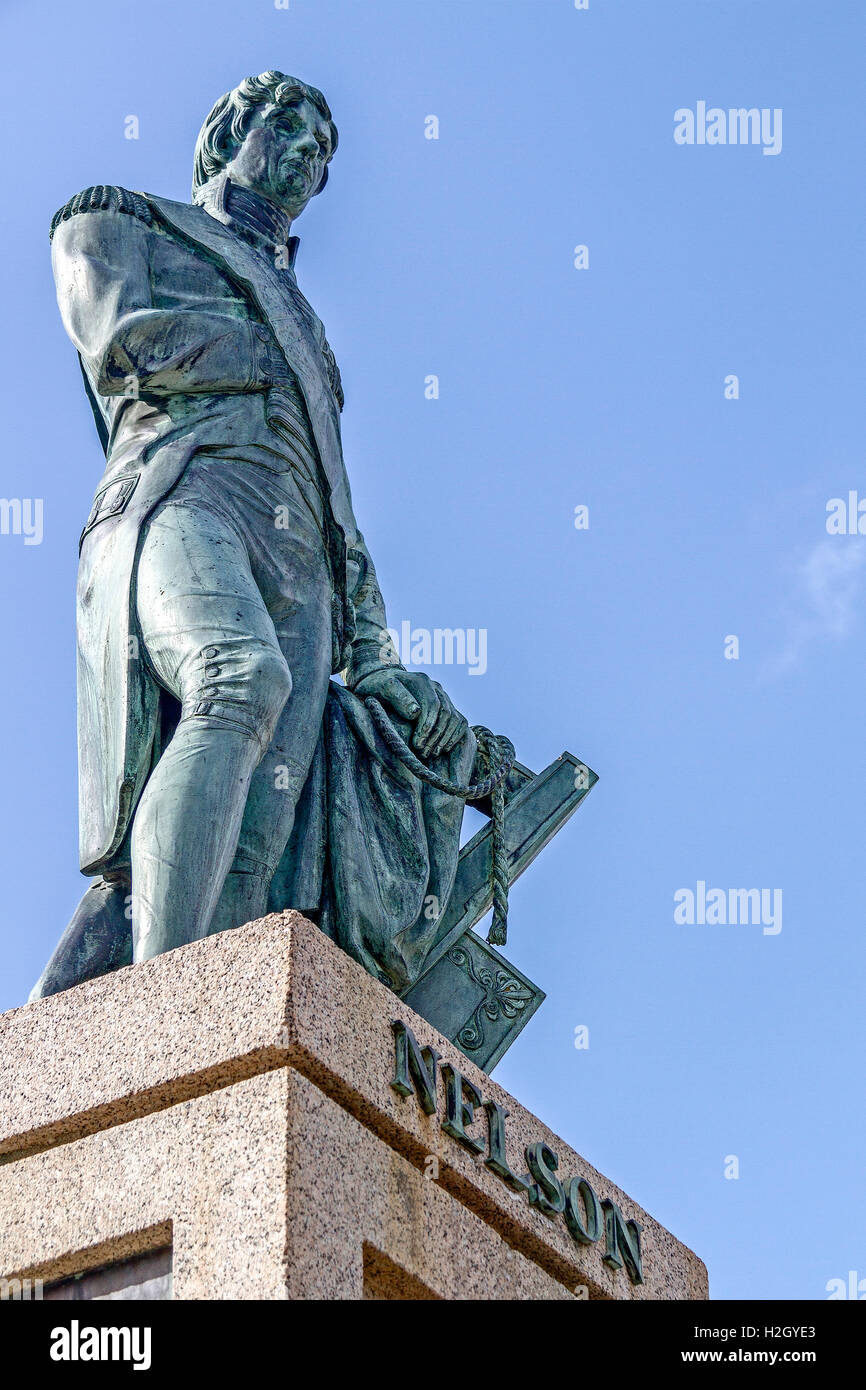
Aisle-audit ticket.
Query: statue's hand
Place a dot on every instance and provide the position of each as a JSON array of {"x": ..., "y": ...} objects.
[{"x": 439, "y": 727}]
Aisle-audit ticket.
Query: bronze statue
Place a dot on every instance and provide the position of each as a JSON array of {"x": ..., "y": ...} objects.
[{"x": 224, "y": 581}]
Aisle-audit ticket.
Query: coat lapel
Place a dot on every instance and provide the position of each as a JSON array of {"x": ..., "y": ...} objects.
[{"x": 295, "y": 326}]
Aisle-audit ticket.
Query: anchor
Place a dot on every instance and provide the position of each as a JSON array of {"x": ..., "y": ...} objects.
[{"x": 469, "y": 991}]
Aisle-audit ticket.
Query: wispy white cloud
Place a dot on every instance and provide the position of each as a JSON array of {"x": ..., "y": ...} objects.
[{"x": 827, "y": 593}]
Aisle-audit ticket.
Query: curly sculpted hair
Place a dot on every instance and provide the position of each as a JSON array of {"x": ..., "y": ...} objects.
[{"x": 226, "y": 127}]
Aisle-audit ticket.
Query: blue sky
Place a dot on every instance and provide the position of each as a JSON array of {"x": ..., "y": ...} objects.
[{"x": 558, "y": 387}]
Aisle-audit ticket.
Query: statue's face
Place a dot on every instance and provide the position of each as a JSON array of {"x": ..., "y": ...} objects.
[{"x": 284, "y": 155}]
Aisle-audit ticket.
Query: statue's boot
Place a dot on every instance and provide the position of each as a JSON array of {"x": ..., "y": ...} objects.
[{"x": 97, "y": 940}]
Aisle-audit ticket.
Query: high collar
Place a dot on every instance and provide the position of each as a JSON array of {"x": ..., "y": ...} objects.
[{"x": 250, "y": 215}]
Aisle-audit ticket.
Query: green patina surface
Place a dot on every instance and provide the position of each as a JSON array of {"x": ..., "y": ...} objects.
[{"x": 224, "y": 583}]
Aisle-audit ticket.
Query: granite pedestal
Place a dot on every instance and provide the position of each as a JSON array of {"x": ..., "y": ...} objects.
[{"x": 224, "y": 1119}]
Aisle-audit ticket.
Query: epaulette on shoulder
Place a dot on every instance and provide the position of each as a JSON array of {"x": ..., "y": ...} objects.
[{"x": 103, "y": 198}]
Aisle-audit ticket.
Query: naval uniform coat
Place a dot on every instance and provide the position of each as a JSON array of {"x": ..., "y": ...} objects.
[{"x": 175, "y": 318}]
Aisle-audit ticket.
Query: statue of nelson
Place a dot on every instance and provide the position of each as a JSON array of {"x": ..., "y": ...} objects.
[{"x": 223, "y": 580}]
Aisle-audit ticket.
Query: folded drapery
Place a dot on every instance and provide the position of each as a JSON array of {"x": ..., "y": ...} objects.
[{"x": 373, "y": 852}]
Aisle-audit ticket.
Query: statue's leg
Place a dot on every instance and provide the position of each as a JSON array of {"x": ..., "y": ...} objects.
[
  {"x": 305, "y": 640},
  {"x": 97, "y": 940},
  {"x": 292, "y": 574},
  {"x": 210, "y": 641}
]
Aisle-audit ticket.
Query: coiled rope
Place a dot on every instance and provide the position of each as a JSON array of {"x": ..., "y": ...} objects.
[{"x": 491, "y": 747}]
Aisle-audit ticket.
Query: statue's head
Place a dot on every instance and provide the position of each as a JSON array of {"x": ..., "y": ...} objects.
[{"x": 272, "y": 134}]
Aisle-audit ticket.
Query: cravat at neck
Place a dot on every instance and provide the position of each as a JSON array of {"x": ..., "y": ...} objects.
[{"x": 257, "y": 216}]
